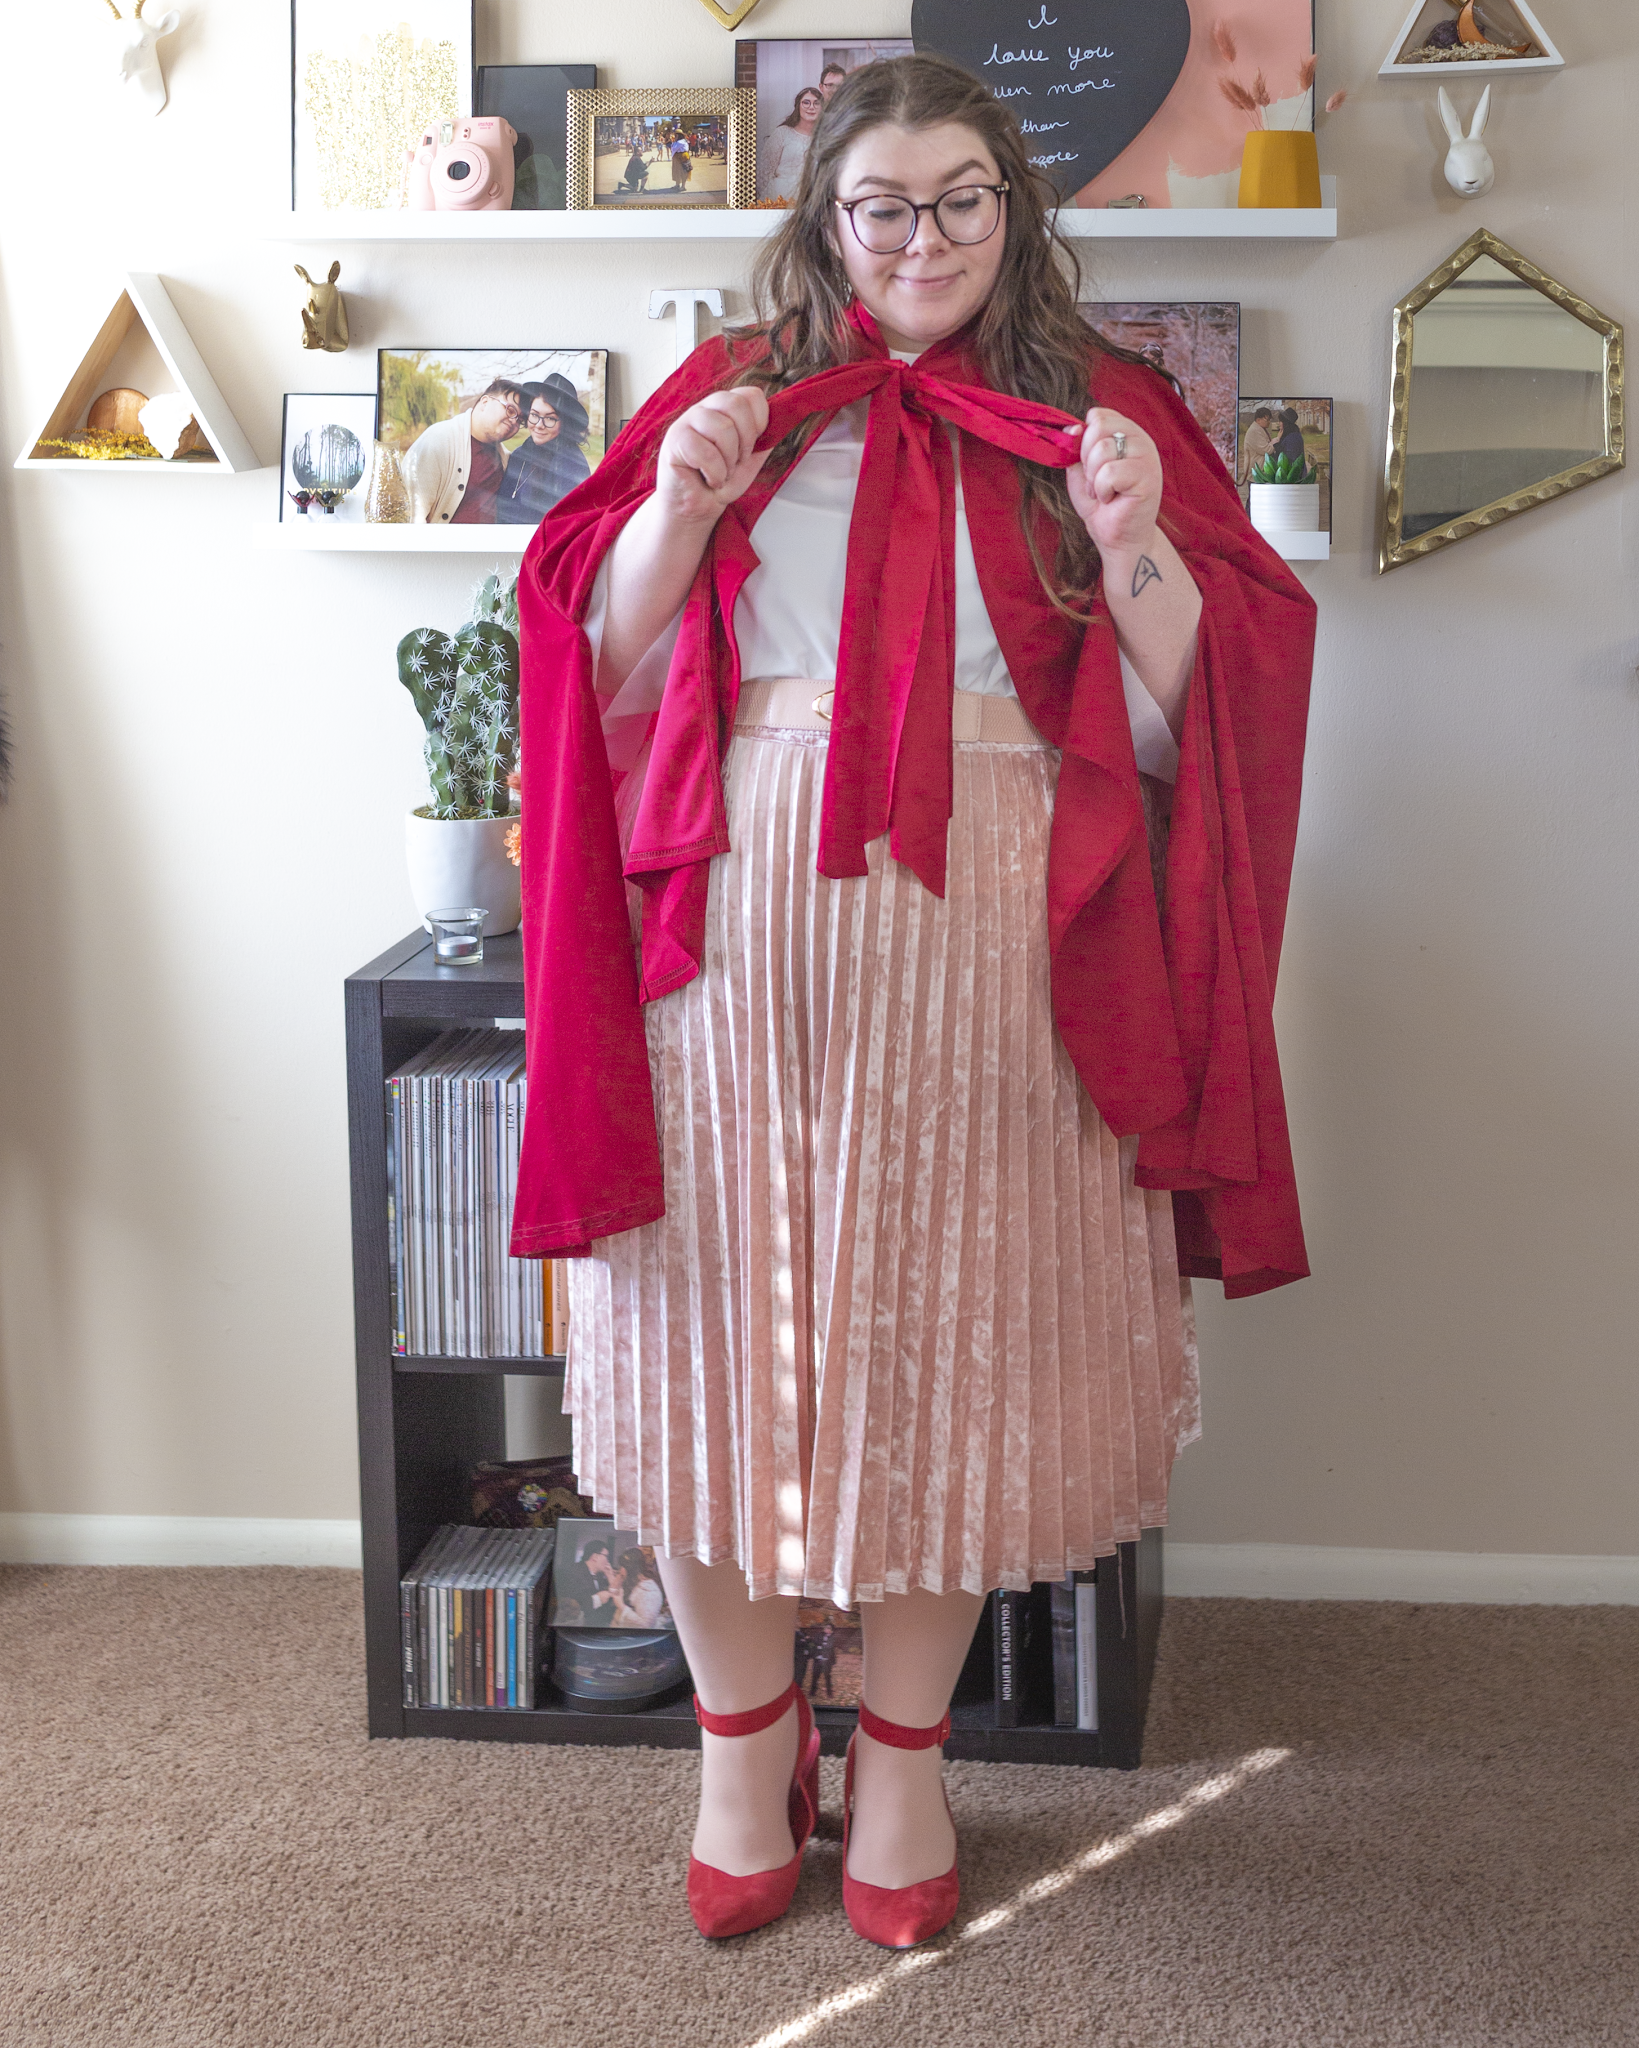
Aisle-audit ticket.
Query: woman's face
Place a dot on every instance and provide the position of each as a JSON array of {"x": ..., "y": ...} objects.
[
  {"x": 810, "y": 106},
  {"x": 543, "y": 423},
  {"x": 932, "y": 288}
]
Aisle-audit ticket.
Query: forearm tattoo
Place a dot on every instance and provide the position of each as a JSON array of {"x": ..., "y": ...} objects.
[{"x": 1145, "y": 573}]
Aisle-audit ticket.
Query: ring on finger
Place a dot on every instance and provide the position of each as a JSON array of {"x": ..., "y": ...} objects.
[{"x": 1120, "y": 441}]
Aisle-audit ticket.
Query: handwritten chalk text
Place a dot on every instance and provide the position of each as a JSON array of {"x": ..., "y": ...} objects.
[
  {"x": 1087, "y": 56},
  {"x": 1086, "y": 85},
  {"x": 1016, "y": 56}
]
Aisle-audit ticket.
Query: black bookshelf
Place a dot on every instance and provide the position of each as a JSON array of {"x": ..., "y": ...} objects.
[{"x": 424, "y": 1422}]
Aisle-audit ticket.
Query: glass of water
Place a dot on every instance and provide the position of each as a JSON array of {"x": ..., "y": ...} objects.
[{"x": 458, "y": 936}]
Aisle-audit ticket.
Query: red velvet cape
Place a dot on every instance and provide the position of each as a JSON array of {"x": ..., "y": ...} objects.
[{"x": 1166, "y": 1014}]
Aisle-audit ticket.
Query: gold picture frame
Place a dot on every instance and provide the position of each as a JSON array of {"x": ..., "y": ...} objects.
[
  {"x": 734, "y": 105},
  {"x": 1394, "y": 548}
]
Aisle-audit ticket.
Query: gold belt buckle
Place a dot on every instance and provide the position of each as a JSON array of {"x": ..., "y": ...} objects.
[{"x": 823, "y": 702}]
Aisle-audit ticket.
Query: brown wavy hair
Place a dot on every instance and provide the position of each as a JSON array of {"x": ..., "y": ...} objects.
[{"x": 1030, "y": 340}]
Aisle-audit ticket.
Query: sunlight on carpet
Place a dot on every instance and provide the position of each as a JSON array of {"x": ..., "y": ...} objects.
[{"x": 1219, "y": 1786}]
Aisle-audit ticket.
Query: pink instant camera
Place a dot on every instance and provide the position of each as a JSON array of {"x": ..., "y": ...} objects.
[{"x": 464, "y": 167}]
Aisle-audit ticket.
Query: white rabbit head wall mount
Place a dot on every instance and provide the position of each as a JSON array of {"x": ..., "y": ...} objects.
[{"x": 1469, "y": 169}]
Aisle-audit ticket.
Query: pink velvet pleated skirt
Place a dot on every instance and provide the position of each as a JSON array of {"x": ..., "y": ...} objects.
[{"x": 906, "y": 1322}]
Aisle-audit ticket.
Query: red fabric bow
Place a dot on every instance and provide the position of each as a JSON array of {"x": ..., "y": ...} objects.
[{"x": 897, "y": 656}]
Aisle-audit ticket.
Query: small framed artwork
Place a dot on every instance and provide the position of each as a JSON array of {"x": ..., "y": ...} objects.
[
  {"x": 326, "y": 455},
  {"x": 1286, "y": 443},
  {"x": 603, "y": 1577},
  {"x": 683, "y": 147},
  {"x": 1198, "y": 342},
  {"x": 492, "y": 436},
  {"x": 792, "y": 80},
  {"x": 366, "y": 79},
  {"x": 535, "y": 99},
  {"x": 829, "y": 1654}
]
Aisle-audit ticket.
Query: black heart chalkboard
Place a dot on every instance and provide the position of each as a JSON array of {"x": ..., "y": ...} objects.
[{"x": 1085, "y": 77}]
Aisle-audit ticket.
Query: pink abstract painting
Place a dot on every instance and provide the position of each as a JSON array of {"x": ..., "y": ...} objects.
[{"x": 1190, "y": 153}]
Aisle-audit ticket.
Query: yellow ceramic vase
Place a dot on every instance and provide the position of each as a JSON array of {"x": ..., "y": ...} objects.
[{"x": 1280, "y": 167}]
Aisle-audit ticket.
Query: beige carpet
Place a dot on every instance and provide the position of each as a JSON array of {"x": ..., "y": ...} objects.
[{"x": 1382, "y": 1825}]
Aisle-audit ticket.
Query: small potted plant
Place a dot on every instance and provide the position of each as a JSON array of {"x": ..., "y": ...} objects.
[
  {"x": 466, "y": 690},
  {"x": 1285, "y": 495}
]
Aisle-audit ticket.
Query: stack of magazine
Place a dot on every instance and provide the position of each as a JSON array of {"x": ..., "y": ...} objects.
[
  {"x": 470, "y": 1613},
  {"x": 455, "y": 1114}
]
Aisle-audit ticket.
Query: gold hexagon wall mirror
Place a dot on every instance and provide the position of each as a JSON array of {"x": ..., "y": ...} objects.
[{"x": 1506, "y": 393}]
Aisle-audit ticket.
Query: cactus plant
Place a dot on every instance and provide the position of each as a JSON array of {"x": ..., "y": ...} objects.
[{"x": 466, "y": 691}]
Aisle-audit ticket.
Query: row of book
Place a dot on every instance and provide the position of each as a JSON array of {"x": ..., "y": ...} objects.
[
  {"x": 470, "y": 1614},
  {"x": 455, "y": 1116},
  {"x": 1047, "y": 1632}
]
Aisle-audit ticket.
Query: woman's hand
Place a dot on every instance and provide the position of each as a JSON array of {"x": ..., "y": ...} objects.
[
  {"x": 1117, "y": 496},
  {"x": 709, "y": 456}
]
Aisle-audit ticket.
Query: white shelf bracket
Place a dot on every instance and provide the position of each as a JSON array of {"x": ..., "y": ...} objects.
[{"x": 688, "y": 299}]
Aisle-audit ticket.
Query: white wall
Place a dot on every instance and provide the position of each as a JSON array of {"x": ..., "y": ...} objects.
[{"x": 215, "y": 754}]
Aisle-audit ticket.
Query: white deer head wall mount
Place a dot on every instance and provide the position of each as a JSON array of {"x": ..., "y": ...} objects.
[{"x": 136, "y": 45}]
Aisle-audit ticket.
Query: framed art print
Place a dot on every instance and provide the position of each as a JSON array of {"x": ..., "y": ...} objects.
[
  {"x": 324, "y": 462},
  {"x": 792, "y": 81},
  {"x": 492, "y": 436},
  {"x": 684, "y": 147},
  {"x": 367, "y": 78},
  {"x": 1198, "y": 342},
  {"x": 535, "y": 99}
]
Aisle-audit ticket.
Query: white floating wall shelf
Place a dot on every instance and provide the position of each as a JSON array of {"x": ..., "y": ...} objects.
[
  {"x": 314, "y": 533},
  {"x": 751, "y": 224},
  {"x": 1301, "y": 547},
  {"x": 144, "y": 299},
  {"x": 1511, "y": 16}
]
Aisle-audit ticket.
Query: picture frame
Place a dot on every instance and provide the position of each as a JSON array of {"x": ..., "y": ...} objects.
[
  {"x": 366, "y": 79},
  {"x": 535, "y": 99},
  {"x": 610, "y": 132},
  {"x": 604, "y": 1577},
  {"x": 1313, "y": 420},
  {"x": 777, "y": 71},
  {"x": 1198, "y": 341},
  {"x": 828, "y": 1654},
  {"x": 327, "y": 436},
  {"x": 424, "y": 396}
]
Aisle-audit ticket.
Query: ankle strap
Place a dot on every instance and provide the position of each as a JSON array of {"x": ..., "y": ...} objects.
[
  {"x": 898, "y": 1737},
  {"x": 752, "y": 1720}
]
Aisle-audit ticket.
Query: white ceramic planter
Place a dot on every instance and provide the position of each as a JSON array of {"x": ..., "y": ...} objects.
[
  {"x": 460, "y": 862},
  {"x": 1286, "y": 508}
]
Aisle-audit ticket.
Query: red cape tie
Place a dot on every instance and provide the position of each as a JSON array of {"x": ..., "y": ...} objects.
[{"x": 889, "y": 762}]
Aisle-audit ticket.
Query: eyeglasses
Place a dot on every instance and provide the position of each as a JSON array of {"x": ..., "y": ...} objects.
[{"x": 965, "y": 214}]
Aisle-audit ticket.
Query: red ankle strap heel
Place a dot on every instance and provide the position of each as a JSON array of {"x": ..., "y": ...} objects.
[
  {"x": 723, "y": 1904},
  {"x": 896, "y": 1916}
]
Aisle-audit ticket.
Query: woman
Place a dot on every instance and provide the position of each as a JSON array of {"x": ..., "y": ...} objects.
[
  {"x": 783, "y": 153},
  {"x": 551, "y": 462},
  {"x": 682, "y": 162},
  {"x": 887, "y": 1310},
  {"x": 639, "y": 1600}
]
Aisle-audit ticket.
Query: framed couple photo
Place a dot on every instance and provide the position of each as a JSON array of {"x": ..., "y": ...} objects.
[
  {"x": 603, "y": 1577},
  {"x": 492, "y": 437},
  {"x": 676, "y": 148},
  {"x": 791, "y": 80}
]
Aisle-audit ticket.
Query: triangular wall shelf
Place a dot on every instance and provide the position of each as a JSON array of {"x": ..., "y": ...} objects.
[
  {"x": 1505, "y": 13},
  {"x": 145, "y": 299}
]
